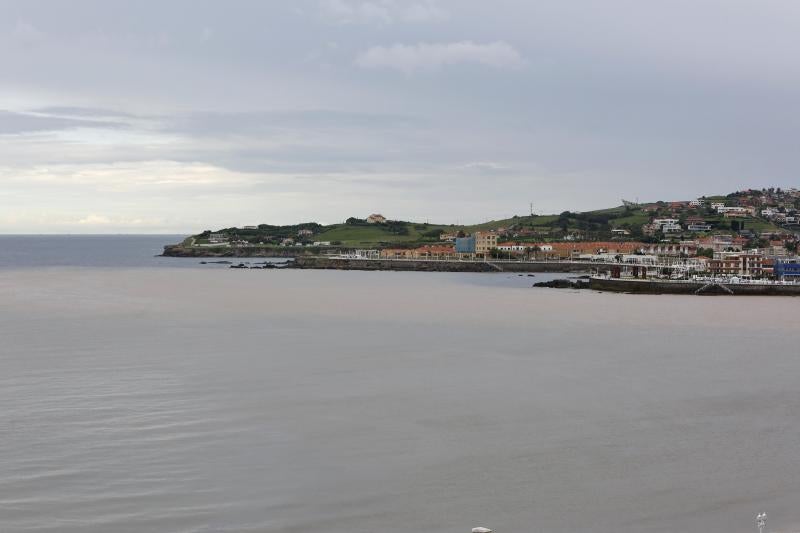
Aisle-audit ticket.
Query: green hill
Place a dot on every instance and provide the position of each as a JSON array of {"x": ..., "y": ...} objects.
[{"x": 588, "y": 225}]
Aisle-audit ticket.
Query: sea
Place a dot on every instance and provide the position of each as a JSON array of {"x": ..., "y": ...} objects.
[{"x": 148, "y": 394}]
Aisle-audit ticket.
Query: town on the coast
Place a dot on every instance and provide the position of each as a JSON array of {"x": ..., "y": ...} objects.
[{"x": 745, "y": 236}]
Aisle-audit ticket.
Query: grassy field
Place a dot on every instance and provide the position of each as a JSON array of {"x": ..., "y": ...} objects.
[{"x": 350, "y": 235}]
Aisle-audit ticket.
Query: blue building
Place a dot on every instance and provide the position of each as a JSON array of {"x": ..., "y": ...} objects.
[
  {"x": 787, "y": 269},
  {"x": 465, "y": 245}
]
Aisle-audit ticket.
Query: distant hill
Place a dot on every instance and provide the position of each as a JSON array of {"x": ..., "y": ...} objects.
[{"x": 589, "y": 225}]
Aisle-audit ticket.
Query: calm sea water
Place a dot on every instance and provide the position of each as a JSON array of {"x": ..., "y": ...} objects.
[{"x": 143, "y": 398}]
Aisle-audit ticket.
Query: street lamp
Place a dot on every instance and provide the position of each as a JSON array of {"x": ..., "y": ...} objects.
[{"x": 761, "y": 521}]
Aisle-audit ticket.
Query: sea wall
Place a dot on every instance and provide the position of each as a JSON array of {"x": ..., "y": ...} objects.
[
  {"x": 327, "y": 263},
  {"x": 422, "y": 265},
  {"x": 672, "y": 287}
]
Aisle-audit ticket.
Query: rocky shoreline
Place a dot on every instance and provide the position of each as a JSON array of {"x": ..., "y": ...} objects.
[{"x": 178, "y": 250}]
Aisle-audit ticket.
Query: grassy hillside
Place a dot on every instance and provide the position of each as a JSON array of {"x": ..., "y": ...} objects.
[
  {"x": 589, "y": 225},
  {"x": 356, "y": 235}
]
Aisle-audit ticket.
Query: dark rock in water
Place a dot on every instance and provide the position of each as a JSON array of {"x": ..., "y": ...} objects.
[
  {"x": 562, "y": 284},
  {"x": 531, "y": 275},
  {"x": 240, "y": 265}
]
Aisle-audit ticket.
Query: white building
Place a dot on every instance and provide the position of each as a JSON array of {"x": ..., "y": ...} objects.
[
  {"x": 671, "y": 228},
  {"x": 699, "y": 227},
  {"x": 663, "y": 221},
  {"x": 735, "y": 210}
]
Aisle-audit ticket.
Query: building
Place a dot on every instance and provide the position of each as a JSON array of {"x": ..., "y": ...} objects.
[
  {"x": 749, "y": 264},
  {"x": 514, "y": 246},
  {"x": 249, "y": 227},
  {"x": 465, "y": 245},
  {"x": 376, "y": 218},
  {"x": 397, "y": 253},
  {"x": 787, "y": 269},
  {"x": 485, "y": 242},
  {"x": 687, "y": 248},
  {"x": 448, "y": 237},
  {"x": 218, "y": 238},
  {"x": 620, "y": 231},
  {"x": 304, "y": 233},
  {"x": 434, "y": 251},
  {"x": 699, "y": 227},
  {"x": 735, "y": 211},
  {"x": 665, "y": 221},
  {"x": 479, "y": 243}
]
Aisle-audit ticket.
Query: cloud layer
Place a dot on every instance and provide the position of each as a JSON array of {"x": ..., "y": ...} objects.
[
  {"x": 184, "y": 115},
  {"x": 433, "y": 56}
]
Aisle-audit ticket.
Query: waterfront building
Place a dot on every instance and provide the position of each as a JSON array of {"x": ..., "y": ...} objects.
[
  {"x": 434, "y": 251},
  {"x": 737, "y": 264},
  {"x": 787, "y": 269},
  {"x": 465, "y": 245},
  {"x": 397, "y": 253},
  {"x": 485, "y": 242},
  {"x": 684, "y": 248}
]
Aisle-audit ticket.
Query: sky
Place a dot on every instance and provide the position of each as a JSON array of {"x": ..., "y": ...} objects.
[{"x": 184, "y": 115}]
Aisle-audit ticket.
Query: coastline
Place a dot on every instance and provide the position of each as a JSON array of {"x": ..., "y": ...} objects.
[{"x": 433, "y": 265}]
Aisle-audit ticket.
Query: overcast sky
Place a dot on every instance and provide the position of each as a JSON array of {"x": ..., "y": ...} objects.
[{"x": 176, "y": 116}]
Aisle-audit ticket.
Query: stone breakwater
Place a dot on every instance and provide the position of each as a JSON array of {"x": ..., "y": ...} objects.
[
  {"x": 177, "y": 250},
  {"x": 329, "y": 263},
  {"x": 698, "y": 288}
]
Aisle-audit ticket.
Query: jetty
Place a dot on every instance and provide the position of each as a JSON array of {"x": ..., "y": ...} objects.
[{"x": 698, "y": 287}]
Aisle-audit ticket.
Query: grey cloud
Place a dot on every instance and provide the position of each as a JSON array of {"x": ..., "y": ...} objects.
[
  {"x": 648, "y": 99},
  {"x": 16, "y": 123},
  {"x": 382, "y": 11},
  {"x": 252, "y": 122},
  {"x": 87, "y": 112}
]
